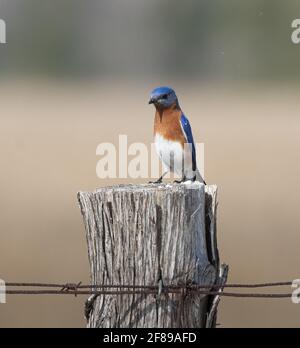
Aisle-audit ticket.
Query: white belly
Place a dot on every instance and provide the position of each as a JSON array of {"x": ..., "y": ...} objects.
[{"x": 173, "y": 156}]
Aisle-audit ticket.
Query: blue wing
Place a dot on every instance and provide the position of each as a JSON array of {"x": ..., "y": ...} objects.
[{"x": 189, "y": 136}]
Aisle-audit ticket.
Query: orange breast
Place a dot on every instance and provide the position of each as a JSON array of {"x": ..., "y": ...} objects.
[{"x": 167, "y": 124}]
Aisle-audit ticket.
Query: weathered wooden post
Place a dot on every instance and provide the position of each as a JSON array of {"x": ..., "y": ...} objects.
[{"x": 149, "y": 235}]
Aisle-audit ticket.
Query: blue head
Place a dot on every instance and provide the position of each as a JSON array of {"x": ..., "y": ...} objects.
[{"x": 163, "y": 97}]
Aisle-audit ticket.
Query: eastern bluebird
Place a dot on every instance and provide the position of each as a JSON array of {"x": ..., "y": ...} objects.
[{"x": 173, "y": 136}]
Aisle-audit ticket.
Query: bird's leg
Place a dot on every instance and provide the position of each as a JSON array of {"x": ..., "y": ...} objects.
[
  {"x": 181, "y": 180},
  {"x": 159, "y": 180}
]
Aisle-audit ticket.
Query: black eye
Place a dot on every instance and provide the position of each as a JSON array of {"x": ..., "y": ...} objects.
[{"x": 165, "y": 96}]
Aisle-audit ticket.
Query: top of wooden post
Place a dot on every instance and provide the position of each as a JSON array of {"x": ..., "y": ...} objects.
[{"x": 146, "y": 234}]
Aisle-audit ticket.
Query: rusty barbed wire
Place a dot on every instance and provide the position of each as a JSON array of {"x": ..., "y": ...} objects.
[
  {"x": 56, "y": 292},
  {"x": 90, "y": 286},
  {"x": 80, "y": 289}
]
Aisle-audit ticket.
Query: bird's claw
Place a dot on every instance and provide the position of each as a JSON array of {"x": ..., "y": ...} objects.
[
  {"x": 180, "y": 181},
  {"x": 158, "y": 181}
]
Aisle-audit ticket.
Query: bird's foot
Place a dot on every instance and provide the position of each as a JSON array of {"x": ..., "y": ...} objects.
[
  {"x": 181, "y": 180},
  {"x": 158, "y": 181}
]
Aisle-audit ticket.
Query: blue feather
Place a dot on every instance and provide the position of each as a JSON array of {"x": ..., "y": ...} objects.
[{"x": 189, "y": 136}]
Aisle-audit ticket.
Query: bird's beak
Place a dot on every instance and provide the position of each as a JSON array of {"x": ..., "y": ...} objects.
[{"x": 151, "y": 101}]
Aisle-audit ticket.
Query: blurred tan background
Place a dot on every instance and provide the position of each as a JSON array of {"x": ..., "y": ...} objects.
[{"x": 75, "y": 74}]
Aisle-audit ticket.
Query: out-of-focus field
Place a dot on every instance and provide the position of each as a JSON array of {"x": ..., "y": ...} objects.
[{"x": 48, "y": 139}]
